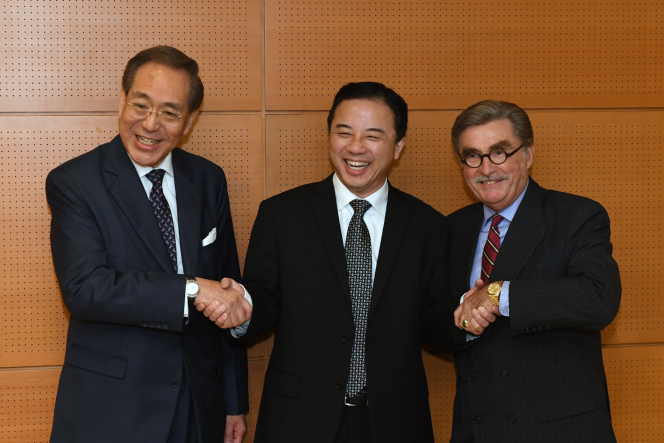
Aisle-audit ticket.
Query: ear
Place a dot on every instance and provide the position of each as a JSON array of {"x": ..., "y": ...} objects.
[
  {"x": 400, "y": 145},
  {"x": 530, "y": 155},
  {"x": 123, "y": 98},
  {"x": 190, "y": 122}
]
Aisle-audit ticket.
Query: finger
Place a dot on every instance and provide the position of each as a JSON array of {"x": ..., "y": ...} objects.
[
  {"x": 218, "y": 313},
  {"x": 479, "y": 319},
  {"x": 475, "y": 327},
  {"x": 487, "y": 315},
  {"x": 200, "y": 307},
  {"x": 228, "y": 435},
  {"x": 496, "y": 310},
  {"x": 227, "y": 283},
  {"x": 457, "y": 317},
  {"x": 221, "y": 321},
  {"x": 212, "y": 307}
]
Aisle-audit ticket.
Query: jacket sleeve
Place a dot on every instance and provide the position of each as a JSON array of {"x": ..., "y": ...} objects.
[
  {"x": 91, "y": 290},
  {"x": 262, "y": 275},
  {"x": 588, "y": 295}
]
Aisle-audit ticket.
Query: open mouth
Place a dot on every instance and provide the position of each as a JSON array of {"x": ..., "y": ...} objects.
[
  {"x": 357, "y": 166},
  {"x": 147, "y": 141}
]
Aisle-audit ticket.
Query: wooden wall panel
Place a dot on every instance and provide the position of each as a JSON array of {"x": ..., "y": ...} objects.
[
  {"x": 636, "y": 390},
  {"x": 600, "y": 155},
  {"x": 35, "y": 320},
  {"x": 27, "y": 399},
  {"x": 69, "y": 56},
  {"x": 448, "y": 55}
]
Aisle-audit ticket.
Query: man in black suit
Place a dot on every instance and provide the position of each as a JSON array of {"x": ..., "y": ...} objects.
[
  {"x": 536, "y": 374},
  {"x": 352, "y": 275},
  {"x": 139, "y": 229}
]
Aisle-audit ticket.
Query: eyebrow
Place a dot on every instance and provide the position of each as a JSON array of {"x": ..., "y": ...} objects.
[
  {"x": 143, "y": 95},
  {"x": 499, "y": 145},
  {"x": 345, "y": 126}
]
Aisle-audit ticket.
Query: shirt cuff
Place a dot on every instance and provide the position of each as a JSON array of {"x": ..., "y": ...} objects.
[
  {"x": 239, "y": 331},
  {"x": 505, "y": 300}
]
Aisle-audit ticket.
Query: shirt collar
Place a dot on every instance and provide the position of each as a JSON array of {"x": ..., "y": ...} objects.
[
  {"x": 166, "y": 165},
  {"x": 507, "y": 213},
  {"x": 378, "y": 199}
]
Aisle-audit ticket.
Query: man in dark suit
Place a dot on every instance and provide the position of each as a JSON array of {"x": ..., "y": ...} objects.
[
  {"x": 536, "y": 374},
  {"x": 351, "y": 274},
  {"x": 139, "y": 229}
]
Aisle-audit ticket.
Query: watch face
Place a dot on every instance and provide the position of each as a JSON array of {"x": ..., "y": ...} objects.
[
  {"x": 493, "y": 288},
  {"x": 192, "y": 288}
]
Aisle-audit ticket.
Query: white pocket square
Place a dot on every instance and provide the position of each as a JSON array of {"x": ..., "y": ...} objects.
[{"x": 211, "y": 237}]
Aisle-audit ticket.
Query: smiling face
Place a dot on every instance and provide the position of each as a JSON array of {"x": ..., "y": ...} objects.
[
  {"x": 161, "y": 88},
  {"x": 497, "y": 186},
  {"x": 363, "y": 144}
]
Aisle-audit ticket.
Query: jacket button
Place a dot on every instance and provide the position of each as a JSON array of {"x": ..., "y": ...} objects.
[
  {"x": 541, "y": 328},
  {"x": 175, "y": 383},
  {"x": 511, "y": 419},
  {"x": 504, "y": 373},
  {"x": 340, "y": 385},
  {"x": 158, "y": 325},
  {"x": 477, "y": 420},
  {"x": 164, "y": 326},
  {"x": 345, "y": 338},
  {"x": 151, "y": 325},
  {"x": 471, "y": 377},
  {"x": 145, "y": 325},
  {"x": 528, "y": 329}
]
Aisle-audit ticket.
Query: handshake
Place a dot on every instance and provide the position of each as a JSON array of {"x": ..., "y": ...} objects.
[{"x": 223, "y": 302}]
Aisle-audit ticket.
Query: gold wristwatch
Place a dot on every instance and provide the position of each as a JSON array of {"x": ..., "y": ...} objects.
[{"x": 494, "y": 292}]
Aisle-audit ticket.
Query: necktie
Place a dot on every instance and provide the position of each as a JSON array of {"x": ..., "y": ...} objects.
[
  {"x": 491, "y": 248},
  {"x": 163, "y": 213},
  {"x": 358, "y": 264}
]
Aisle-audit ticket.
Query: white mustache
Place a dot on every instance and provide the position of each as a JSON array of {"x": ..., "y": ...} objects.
[{"x": 484, "y": 178}]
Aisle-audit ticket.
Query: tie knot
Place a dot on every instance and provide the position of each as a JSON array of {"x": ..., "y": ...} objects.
[
  {"x": 156, "y": 176},
  {"x": 496, "y": 219},
  {"x": 360, "y": 206}
]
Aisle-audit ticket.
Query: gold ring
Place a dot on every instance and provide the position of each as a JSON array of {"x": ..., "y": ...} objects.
[{"x": 464, "y": 323}]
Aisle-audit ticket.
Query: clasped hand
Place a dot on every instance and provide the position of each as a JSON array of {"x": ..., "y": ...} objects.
[
  {"x": 476, "y": 309},
  {"x": 223, "y": 302}
]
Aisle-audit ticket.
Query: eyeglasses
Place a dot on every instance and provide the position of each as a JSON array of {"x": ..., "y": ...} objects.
[
  {"x": 497, "y": 156},
  {"x": 166, "y": 117}
]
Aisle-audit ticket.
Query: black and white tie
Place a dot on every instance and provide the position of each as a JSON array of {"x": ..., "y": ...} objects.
[
  {"x": 358, "y": 264},
  {"x": 163, "y": 213}
]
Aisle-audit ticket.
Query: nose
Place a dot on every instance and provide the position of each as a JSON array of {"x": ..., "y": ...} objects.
[
  {"x": 151, "y": 122},
  {"x": 356, "y": 146},
  {"x": 487, "y": 167}
]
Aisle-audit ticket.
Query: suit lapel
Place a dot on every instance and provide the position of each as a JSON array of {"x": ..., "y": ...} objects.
[
  {"x": 524, "y": 235},
  {"x": 325, "y": 207},
  {"x": 397, "y": 217},
  {"x": 189, "y": 211},
  {"x": 126, "y": 188}
]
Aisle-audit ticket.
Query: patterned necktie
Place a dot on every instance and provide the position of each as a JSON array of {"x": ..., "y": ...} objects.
[
  {"x": 163, "y": 213},
  {"x": 358, "y": 264},
  {"x": 491, "y": 248}
]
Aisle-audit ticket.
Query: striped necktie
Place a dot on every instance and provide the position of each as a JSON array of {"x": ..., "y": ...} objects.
[{"x": 491, "y": 248}]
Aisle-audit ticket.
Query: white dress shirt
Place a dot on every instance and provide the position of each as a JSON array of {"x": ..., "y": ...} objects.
[
  {"x": 168, "y": 186},
  {"x": 374, "y": 218}
]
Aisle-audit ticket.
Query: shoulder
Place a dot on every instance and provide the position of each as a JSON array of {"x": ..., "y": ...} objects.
[
  {"x": 419, "y": 208},
  {"x": 294, "y": 197},
  {"x": 83, "y": 168},
  {"x": 562, "y": 204},
  {"x": 464, "y": 215}
]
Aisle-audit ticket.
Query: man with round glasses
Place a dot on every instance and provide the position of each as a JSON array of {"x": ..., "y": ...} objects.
[
  {"x": 141, "y": 229},
  {"x": 544, "y": 260}
]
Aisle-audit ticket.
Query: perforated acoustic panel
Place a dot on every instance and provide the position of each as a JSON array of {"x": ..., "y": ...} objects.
[
  {"x": 69, "y": 56},
  {"x": 636, "y": 391},
  {"x": 448, "y": 55},
  {"x": 33, "y": 316},
  {"x": 26, "y": 405},
  {"x": 594, "y": 154}
]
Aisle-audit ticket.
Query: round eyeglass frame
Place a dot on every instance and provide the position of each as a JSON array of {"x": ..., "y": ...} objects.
[{"x": 482, "y": 156}]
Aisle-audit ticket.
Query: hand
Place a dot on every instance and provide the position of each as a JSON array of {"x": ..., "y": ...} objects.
[
  {"x": 223, "y": 302},
  {"x": 477, "y": 309},
  {"x": 236, "y": 427}
]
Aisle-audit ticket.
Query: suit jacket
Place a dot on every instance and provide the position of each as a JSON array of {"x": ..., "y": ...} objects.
[
  {"x": 538, "y": 375},
  {"x": 296, "y": 274},
  {"x": 127, "y": 342}
]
